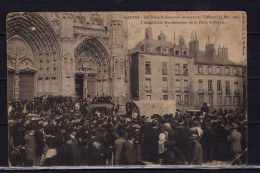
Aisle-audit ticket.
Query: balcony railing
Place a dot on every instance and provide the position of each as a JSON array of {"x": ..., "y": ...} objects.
[
  {"x": 178, "y": 88},
  {"x": 200, "y": 91},
  {"x": 177, "y": 72},
  {"x": 164, "y": 72},
  {"x": 165, "y": 90},
  {"x": 228, "y": 92},
  {"x": 185, "y": 73},
  {"x": 236, "y": 92},
  {"x": 148, "y": 90},
  {"x": 219, "y": 92},
  {"x": 210, "y": 92},
  {"x": 186, "y": 88}
]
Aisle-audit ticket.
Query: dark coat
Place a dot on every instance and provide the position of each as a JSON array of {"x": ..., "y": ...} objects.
[
  {"x": 120, "y": 151},
  {"x": 235, "y": 142},
  {"x": 197, "y": 158}
]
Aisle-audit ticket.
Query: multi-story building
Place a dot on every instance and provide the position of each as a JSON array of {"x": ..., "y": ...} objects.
[
  {"x": 216, "y": 80},
  {"x": 67, "y": 53},
  {"x": 162, "y": 70}
]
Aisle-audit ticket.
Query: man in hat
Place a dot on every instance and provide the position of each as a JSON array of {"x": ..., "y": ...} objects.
[
  {"x": 30, "y": 148},
  {"x": 205, "y": 108},
  {"x": 234, "y": 139},
  {"x": 120, "y": 157},
  {"x": 197, "y": 157}
]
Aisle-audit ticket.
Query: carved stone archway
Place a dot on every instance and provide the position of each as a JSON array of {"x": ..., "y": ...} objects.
[
  {"x": 92, "y": 61},
  {"x": 29, "y": 31}
]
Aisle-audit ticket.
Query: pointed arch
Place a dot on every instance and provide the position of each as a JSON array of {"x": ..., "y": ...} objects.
[
  {"x": 40, "y": 36},
  {"x": 79, "y": 20},
  {"x": 27, "y": 65},
  {"x": 95, "y": 47}
]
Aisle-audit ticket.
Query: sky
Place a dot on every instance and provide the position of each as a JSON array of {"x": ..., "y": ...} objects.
[{"x": 226, "y": 33}]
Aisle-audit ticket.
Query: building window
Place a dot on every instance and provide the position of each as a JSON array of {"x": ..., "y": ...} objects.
[
  {"x": 164, "y": 68},
  {"x": 235, "y": 71},
  {"x": 200, "y": 69},
  {"x": 218, "y": 70},
  {"x": 186, "y": 83},
  {"x": 148, "y": 85},
  {"x": 185, "y": 69},
  {"x": 210, "y": 70},
  {"x": 178, "y": 84},
  {"x": 147, "y": 49},
  {"x": 165, "y": 84},
  {"x": 147, "y": 67},
  {"x": 226, "y": 70},
  {"x": 164, "y": 51},
  {"x": 178, "y": 99},
  {"x": 236, "y": 87},
  {"x": 236, "y": 100},
  {"x": 228, "y": 100},
  {"x": 200, "y": 84},
  {"x": 228, "y": 87},
  {"x": 177, "y": 69},
  {"x": 185, "y": 52},
  {"x": 165, "y": 97},
  {"x": 186, "y": 99},
  {"x": 219, "y": 100},
  {"x": 201, "y": 100},
  {"x": 210, "y": 85},
  {"x": 219, "y": 85},
  {"x": 211, "y": 100},
  {"x": 148, "y": 97},
  {"x": 177, "y": 52}
]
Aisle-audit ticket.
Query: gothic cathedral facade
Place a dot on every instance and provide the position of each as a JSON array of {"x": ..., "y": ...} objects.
[{"x": 71, "y": 54}]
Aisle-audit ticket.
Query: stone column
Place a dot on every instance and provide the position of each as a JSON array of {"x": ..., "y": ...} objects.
[
  {"x": 16, "y": 79},
  {"x": 85, "y": 86},
  {"x": 16, "y": 85},
  {"x": 102, "y": 77}
]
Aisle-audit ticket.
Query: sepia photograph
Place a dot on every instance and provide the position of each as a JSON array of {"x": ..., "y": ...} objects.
[{"x": 151, "y": 89}]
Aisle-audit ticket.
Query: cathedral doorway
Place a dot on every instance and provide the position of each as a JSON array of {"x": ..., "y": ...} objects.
[
  {"x": 91, "y": 60},
  {"x": 79, "y": 85},
  {"x": 91, "y": 86},
  {"x": 26, "y": 85},
  {"x": 33, "y": 53}
]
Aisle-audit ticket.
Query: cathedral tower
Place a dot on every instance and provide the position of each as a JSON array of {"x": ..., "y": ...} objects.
[{"x": 119, "y": 61}]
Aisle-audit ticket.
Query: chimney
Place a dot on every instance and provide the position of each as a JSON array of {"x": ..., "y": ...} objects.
[
  {"x": 223, "y": 52},
  {"x": 162, "y": 36},
  {"x": 194, "y": 45},
  {"x": 148, "y": 33},
  {"x": 181, "y": 41}
]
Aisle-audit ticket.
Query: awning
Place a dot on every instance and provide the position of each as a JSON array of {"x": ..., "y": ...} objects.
[
  {"x": 102, "y": 106},
  {"x": 107, "y": 107},
  {"x": 151, "y": 107}
]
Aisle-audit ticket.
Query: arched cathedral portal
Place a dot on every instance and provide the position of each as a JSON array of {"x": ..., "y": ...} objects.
[
  {"x": 92, "y": 69},
  {"x": 32, "y": 57}
]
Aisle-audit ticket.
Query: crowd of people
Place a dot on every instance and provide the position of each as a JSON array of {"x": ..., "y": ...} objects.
[
  {"x": 103, "y": 99},
  {"x": 60, "y": 131}
]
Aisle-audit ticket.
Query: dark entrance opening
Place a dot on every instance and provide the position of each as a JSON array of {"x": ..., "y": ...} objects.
[
  {"x": 79, "y": 85},
  {"x": 26, "y": 85},
  {"x": 91, "y": 86}
]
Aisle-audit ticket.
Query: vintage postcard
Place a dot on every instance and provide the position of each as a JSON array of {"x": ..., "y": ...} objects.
[{"x": 137, "y": 89}]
